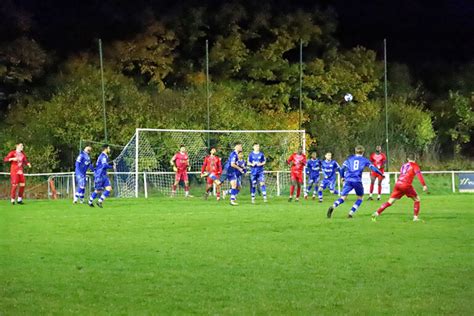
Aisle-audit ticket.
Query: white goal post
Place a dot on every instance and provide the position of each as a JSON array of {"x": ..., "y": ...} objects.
[{"x": 143, "y": 167}]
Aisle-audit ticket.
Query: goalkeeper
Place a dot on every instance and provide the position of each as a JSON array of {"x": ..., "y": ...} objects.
[{"x": 212, "y": 169}]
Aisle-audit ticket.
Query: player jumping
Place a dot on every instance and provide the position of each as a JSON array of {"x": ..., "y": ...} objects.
[
  {"x": 297, "y": 161},
  {"x": 312, "y": 172},
  {"x": 233, "y": 173},
  {"x": 83, "y": 163},
  {"x": 351, "y": 175},
  {"x": 180, "y": 164},
  {"x": 404, "y": 187},
  {"x": 329, "y": 168},
  {"x": 212, "y": 169},
  {"x": 101, "y": 180},
  {"x": 379, "y": 160},
  {"x": 17, "y": 160},
  {"x": 256, "y": 161}
]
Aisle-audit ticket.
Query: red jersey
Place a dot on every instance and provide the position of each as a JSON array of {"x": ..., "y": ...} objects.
[
  {"x": 212, "y": 164},
  {"x": 16, "y": 166},
  {"x": 378, "y": 160},
  {"x": 408, "y": 172},
  {"x": 181, "y": 161},
  {"x": 297, "y": 162}
]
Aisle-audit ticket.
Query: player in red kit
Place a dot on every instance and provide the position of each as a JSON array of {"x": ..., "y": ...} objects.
[
  {"x": 404, "y": 187},
  {"x": 379, "y": 160},
  {"x": 212, "y": 169},
  {"x": 18, "y": 160},
  {"x": 297, "y": 161},
  {"x": 180, "y": 164}
]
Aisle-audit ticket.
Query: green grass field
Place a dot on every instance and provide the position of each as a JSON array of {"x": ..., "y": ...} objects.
[{"x": 165, "y": 256}]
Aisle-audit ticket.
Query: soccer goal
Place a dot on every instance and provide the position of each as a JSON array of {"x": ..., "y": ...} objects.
[{"x": 143, "y": 167}]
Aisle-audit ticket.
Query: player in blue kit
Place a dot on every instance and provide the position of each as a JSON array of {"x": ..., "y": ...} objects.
[
  {"x": 351, "y": 175},
  {"x": 313, "y": 167},
  {"x": 233, "y": 172},
  {"x": 256, "y": 161},
  {"x": 101, "y": 181},
  {"x": 329, "y": 168},
  {"x": 243, "y": 170},
  {"x": 83, "y": 163}
]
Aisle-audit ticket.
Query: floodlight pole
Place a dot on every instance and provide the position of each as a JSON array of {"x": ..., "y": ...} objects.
[
  {"x": 301, "y": 86},
  {"x": 386, "y": 100},
  {"x": 103, "y": 88},
  {"x": 207, "y": 95}
]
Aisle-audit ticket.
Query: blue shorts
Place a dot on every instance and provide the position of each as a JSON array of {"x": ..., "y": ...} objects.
[
  {"x": 313, "y": 179},
  {"x": 349, "y": 186},
  {"x": 257, "y": 178},
  {"x": 328, "y": 183},
  {"x": 100, "y": 183},
  {"x": 231, "y": 176},
  {"x": 81, "y": 181}
]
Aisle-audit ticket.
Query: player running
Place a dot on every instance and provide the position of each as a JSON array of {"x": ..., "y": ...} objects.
[
  {"x": 180, "y": 164},
  {"x": 17, "y": 160},
  {"x": 329, "y": 168},
  {"x": 312, "y": 172},
  {"x": 83, "y": 163},
  {"x": 297, "y": 161},
  {"x": 234, "y": 172},
  {"x": 379, "y": 160},
  {"x": 351, "y": 175},
  {"x": 101, "y": 180},
  {"x": 212, "y": 169},
  {"x": 256, "y": 160},
  {"x": 404, "y": 187}
]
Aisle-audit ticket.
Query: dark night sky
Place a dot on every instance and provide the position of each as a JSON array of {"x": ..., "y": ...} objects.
[{"x": 420, "y": 33}]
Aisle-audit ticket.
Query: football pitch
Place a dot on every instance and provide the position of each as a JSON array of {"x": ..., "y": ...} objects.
[{"x": 190, "y": 256}]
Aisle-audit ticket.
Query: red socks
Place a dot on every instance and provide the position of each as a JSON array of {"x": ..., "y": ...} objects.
[
  {"x": 13, "y": 192},
  {"x": 292, "y": 190},
  {"x": 371, "y": 188},
  {"x": 298, "y": 191},
  {"x": 383, "y": 207},
  {"x": 380, "y": 189},
  {"x": 173, "y": 188},
  {"x": 186, "y": 188},
  {"x": 21, "y": 191},
  {"x": 416, "y": 208}
]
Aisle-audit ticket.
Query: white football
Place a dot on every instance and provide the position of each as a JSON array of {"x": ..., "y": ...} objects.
[{"x": 348, "y": 97}]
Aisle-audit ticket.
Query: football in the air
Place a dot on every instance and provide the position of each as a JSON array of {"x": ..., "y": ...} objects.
[{"x": 348, "y": 97}]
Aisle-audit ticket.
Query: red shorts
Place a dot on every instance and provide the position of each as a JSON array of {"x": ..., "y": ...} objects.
[
  {"x": 403, "y": 189},
  {"x": 297, "y": 176},
  {"x": 376, "y": 175},
  {"x": 181, "y": 175},
  {"x": 17, "y": 178},
  {"x": 211, "y": 178}
]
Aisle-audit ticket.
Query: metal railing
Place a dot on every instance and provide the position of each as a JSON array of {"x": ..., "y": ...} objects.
[{"x": 62, "y": 185}]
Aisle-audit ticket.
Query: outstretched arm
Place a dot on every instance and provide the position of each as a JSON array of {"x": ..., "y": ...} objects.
[{"x": 376, "y": 170}]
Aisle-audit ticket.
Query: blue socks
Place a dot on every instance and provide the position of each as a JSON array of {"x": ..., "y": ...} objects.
[
  {"x": 92, "y": 197},
  {"x": 104, "y": 195},
  {"x": 233, "y": 194},
  {"x": 338, "y": 202},
  {"x": 253, "y": 189},
  {"x": 356, "y": 206},
  {"x": 264, "y": 190}
]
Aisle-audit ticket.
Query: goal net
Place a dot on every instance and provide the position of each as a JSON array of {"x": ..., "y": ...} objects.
[{"x": 143, "y": 167}]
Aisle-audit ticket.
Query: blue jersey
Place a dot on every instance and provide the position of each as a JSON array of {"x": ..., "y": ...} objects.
[
  {"x": 233, "y": 158},
  {"x": 83, "y": 162},
  {"x": 256, "y": 158},
  {"x": 353, "y": 167},
  {"x": 313, "y": 166},
  {"x": 329, "y": 169},
  {"x": 102, "y": 165},
  {"x": 242, "y": 164}
]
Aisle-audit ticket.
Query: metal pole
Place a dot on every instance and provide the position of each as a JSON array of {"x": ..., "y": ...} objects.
[
  {"x": 301, "y": 84},
  {"x": 207, "y": 95},
  {"x": 103, "y": 88},
  {"x": 386, "y": 100}
]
